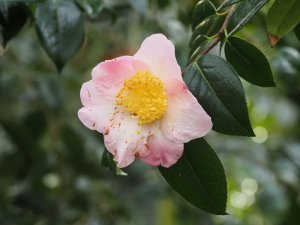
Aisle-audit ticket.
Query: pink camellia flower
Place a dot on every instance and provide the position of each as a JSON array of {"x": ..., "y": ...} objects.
[{"x": 142, "y": 105}]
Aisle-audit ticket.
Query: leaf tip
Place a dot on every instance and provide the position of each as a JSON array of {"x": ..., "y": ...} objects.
[
  {"x": 59, "y": 66},
  {"x": 273, "y": 40}
]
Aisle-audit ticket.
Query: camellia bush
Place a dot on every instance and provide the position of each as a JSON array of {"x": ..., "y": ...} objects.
[{"x": 170, "y": 93}]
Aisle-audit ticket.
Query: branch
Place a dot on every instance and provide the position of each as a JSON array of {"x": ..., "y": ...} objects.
[{"x": 219, "y": 37}]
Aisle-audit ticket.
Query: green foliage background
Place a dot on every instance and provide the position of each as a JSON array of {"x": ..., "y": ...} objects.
[{"x": 50, "y": 164}]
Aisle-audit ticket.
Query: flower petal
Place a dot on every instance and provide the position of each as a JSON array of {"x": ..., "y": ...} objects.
[
  {"x": 125, "y": 139},
  {"x": 98, "y": 95},
  {"x": 111, "y": 74},
  {"x": 159, "y": 54},
  {"x": 162, "y": 151},
  {"x": 185, "y": 119},
  {"x": 89, "y": 95},
  {"x": 95, "y": 117}
]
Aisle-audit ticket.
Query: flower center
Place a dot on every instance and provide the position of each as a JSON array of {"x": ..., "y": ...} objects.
[{"x": 144, "y": 96}]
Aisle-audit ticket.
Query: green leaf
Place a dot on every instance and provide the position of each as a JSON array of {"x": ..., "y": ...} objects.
[
  {"x": 218, "y": 89},
  {"x": 204, "y": 33},
  {"x": 227, "y": 3},
  {"x": 209, "y": 27},
  {"x": 242, "y": 15},
  {"x": 282, "y": 17},
  {"x": 249, "y": 62},
  {"x": 59, "y": 25},
  {"x": 108, "y": 162},
  {"x": 199, "y": 177},
  {"x": 13, "y": 16},
  {"x": 297, "y": 31},
  {"x": 198, "y": 45},
  {"x": 202, "y": 10}
]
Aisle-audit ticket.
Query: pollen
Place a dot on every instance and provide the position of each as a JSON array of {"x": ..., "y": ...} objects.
[{"x": 144, "y": 96}]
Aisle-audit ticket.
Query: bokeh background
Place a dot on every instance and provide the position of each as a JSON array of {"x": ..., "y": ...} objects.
[{"x": 50, "y": 164}]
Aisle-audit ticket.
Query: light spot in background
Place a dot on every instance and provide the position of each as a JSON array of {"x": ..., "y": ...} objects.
[
  {"x": 246, "y": 197},
  {"x": 238, "y": 199},
  {"x": 51, "y": 180},
  {"x": 249, "y": 186},
  {"x": 261, "y": 134}
]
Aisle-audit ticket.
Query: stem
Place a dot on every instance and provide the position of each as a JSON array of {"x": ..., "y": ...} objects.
[{"x": 219, "y": 37}]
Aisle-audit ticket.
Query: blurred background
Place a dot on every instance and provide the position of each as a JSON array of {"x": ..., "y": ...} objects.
[{"x": 50, "y": 164}]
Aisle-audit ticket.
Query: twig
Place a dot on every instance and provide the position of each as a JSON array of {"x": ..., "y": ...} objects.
[{"x": 220, "y": 36}]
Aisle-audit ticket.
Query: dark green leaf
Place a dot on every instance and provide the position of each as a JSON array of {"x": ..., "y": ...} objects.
[
  {"x": 244, "y": 12},
  {"x": 249, "y": 62},
  {"x": 209, "y": 27},
  {"x": 13, "y": 16},
  {"x": 199, "y": 177},
  {"x": 227, "y": 3},
  {"x": 286, "y": 66},
  {"x": 59, "y": 25},
  {"x": 200, "y": 39},
  {"x": 218, "y": 89},
  {"x": 297, "y": 31},
  {"x": 108, "y": 162},
  {"x": 202, "y": 10},
  {"x": 198, "y": 45},
  {"x": 282, "y": 17}
]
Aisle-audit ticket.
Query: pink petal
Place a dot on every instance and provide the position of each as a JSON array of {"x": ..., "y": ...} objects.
[
  {"x": 125, "y": 139},
  {"x": 159, "y": 54},
  {"x": 89, "y": 95},
  {"x": 98, "y": 95},
  {"x": 185, "y": 119},
  {"x": 162, "y": 151},
  {"x": 95, "y": 117},
  {"x": 111, "y": 74}
]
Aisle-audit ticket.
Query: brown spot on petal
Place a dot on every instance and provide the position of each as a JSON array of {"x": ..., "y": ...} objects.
[
  {"x": 89, "y": 94},
  {"x": 136, "y": 154},
  {"x": 146, "y": 146},
  {"x": 94, "y": 124},
  {"x": 106, "y": 132}
]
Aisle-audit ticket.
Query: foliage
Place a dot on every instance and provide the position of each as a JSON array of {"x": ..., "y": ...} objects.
[{"x": 50, "y": 166}]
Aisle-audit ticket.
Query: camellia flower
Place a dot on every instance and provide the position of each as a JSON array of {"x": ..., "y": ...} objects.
[{"x": 142, "y": 105}]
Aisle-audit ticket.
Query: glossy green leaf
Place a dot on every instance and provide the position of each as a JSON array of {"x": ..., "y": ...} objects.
[
  {"x": 249, "y": 62},
  {"x": 202, "y": 10},
  {"x": 282, "y": 17},
  {"x": 242, "y": 15},
  {"x": 297, "y": 31},
  {"x": 59, "y": 26},
  {"x": 227, "y": 3},
  {"x": 199, "y": 177},
  {"x": 218, "y": 89},
  {"x": 13, "y": 16}
]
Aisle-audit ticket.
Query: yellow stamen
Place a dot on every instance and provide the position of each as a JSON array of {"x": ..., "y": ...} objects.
[{"x": 144, "y": 96}]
